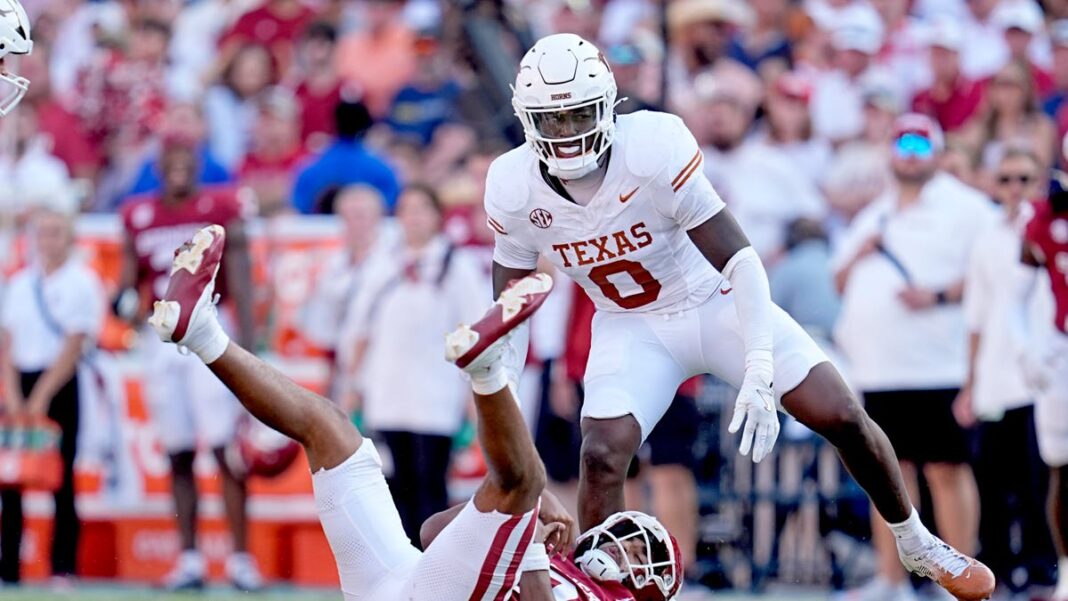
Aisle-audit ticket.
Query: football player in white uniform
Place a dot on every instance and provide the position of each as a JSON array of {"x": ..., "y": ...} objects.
[{"x": 620, "y": 204}]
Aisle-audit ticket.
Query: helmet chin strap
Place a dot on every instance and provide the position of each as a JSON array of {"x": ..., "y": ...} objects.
[{"x": 600, "y": 566}]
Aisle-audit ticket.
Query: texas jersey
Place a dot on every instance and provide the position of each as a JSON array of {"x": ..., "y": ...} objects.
[
  {"x": 628, "y": 246},
  {"x": 155, "y": 229},
  {"x": 570, "y": 583},
  {"x": 1047, "y": 233}
]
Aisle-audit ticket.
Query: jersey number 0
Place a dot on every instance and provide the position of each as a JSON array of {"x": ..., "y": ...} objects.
[{"x": 650, "y": 286}]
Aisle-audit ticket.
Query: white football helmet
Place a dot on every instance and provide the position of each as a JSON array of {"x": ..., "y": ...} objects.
[
  {"x": 652, "y": 570},
  {"x": 14, "y": 39},
  {"x": 565, "y": 96}
]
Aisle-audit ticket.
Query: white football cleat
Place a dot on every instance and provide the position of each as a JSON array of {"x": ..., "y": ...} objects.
[{"x": 965, "y": 578}]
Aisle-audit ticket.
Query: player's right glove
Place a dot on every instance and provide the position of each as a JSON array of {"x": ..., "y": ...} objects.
[{"x": 756, "y": 407}]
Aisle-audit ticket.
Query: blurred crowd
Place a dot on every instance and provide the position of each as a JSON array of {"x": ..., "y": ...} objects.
[{"x": 387, "y": 114}]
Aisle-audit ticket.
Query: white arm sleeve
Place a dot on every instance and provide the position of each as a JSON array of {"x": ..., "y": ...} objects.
[{"x": 752, "y": 299}]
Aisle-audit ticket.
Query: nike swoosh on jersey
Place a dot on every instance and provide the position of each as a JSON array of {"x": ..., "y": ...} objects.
[
  {"x": 625, "y": 197},
  {"x": 724, "y": 292}
]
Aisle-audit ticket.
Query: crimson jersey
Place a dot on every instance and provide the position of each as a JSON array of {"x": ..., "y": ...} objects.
[
  {"x": 156, "y": 229},
  {"x": 1047, "y": 233},
  {"x": 570, "y": 583}
]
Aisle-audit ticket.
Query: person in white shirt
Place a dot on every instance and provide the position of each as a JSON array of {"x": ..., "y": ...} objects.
[
  {"x": 1008, "y": 468},
  {"x": 359, "y": 208},
  {"x": 900, "y": 267},
  {"x": 407, "y": 300},
  {"x": 763, "y": 188},
  {"x": 52, "y": 311}
]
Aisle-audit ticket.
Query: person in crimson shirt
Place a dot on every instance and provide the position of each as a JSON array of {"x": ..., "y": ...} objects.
[
  {"x": 276, "y": 24},
  {"x": 190, "y": 407},
  {"x": 319, "y": 88},
  {"x": 952, "y": 99},
  {"x": 1046, "y": 245},
  {"x": 276, "y": 151}
]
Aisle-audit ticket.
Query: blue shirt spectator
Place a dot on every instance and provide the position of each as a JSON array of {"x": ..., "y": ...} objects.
[
  {"x": 418, "y": 111},
  {"x": 346, "y": 161},
  {"x": 211, "y": 172}
]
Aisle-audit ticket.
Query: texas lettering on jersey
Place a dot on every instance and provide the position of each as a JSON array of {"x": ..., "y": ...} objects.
[{"x": 628, "y": 247}]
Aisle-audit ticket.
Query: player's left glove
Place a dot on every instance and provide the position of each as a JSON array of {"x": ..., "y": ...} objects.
[{"x": 756, "y": 407}]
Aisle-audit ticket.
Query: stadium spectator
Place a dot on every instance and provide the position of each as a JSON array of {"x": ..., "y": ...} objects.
[
  {"x": 900, "y": 268},
  {"x": 379, "y": 58},
  {"x": 634, "y": 78},
  {"x": 346, "y": 161},
  {"x": 275, "y": 151},
  {"x": 122, "y": 93},
  {"x": 429, "y": 99},
  {"x": 837, "y": 104},
  {"x": 904, "y": 51},
  {"x": 751, "y": 177},
  {"x": 1008, "y": 470},
  {"x": 1052, "y": 102},
  {"x": 788, "y": 126},
  {"x": 763, "y": 45},
  {"x": 185, "y": 120},
  {"x": 700, "y": 32},
  {"x": 359, "y": 208},
  {"x": 1012, "y": 118},
  {"x": 803, "y": 282},
  {"x": 404, "y": 303},
  {"x": 52, "y": 311},
  {"x": 189, "y": 406},
  {"x": 34, "y": 175},
  {"x": 194, "y": 47},
  {"x": 60, "y": 127},
  {"x": 952, "y": 99},
  {"x": 984, "y": 50},
  {"x": 276, "y": 24},
  {"x": 230, "y": 106},
  {"x": 1021, "y": 22},
  {"x": 317, "y": 85}
]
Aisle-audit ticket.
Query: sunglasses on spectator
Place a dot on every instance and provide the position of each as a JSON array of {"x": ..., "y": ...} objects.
[
  {"x": 913, "y": 146},
  {"x": 1022, "y": 178}
]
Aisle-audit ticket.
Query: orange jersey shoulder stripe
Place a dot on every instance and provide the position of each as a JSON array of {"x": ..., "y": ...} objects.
[
  {"x": 496, "y": 226},
  {"x": 688, "y": 173},
  {"x": 696, "y": 157}
]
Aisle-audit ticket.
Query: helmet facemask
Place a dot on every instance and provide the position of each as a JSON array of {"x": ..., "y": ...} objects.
[
  {"x": 633, "y": 549},
  {"x": 14, "y": 40},
  {"x": 569, "y": 139}
]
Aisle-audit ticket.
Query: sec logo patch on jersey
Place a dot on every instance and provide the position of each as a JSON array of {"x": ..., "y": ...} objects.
[{"x": 541, "y": 218}]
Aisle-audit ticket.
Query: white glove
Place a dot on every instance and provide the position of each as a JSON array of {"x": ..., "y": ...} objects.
[{"x": 756, "y": 406}]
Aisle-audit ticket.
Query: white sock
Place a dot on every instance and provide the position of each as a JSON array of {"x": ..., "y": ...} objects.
[
  {"x": 489, "y": 380},
  {"x": 911, "y": 535},
  {"x": 207, "y": 339}
]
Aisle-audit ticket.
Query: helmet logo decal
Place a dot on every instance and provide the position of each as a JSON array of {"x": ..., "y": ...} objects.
[{"x": 541, "y": 218}]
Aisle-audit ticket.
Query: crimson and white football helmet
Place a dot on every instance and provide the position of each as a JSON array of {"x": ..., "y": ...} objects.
[
  {"x": 14, "y": 40},
  {"x": 613, "y": 551},
  {"x": 257, "y": 450},
  {"x": 565, "y": 96}
]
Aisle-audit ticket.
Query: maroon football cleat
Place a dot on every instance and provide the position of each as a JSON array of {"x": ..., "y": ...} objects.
[
  {"x": 191, "y": 290},
  {"x": 469, "y": 346}
]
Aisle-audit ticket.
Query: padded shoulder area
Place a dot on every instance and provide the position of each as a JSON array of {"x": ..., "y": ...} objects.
[
  {"x": 654, "y": 142},
  {"x": 508, "y": 181}
]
